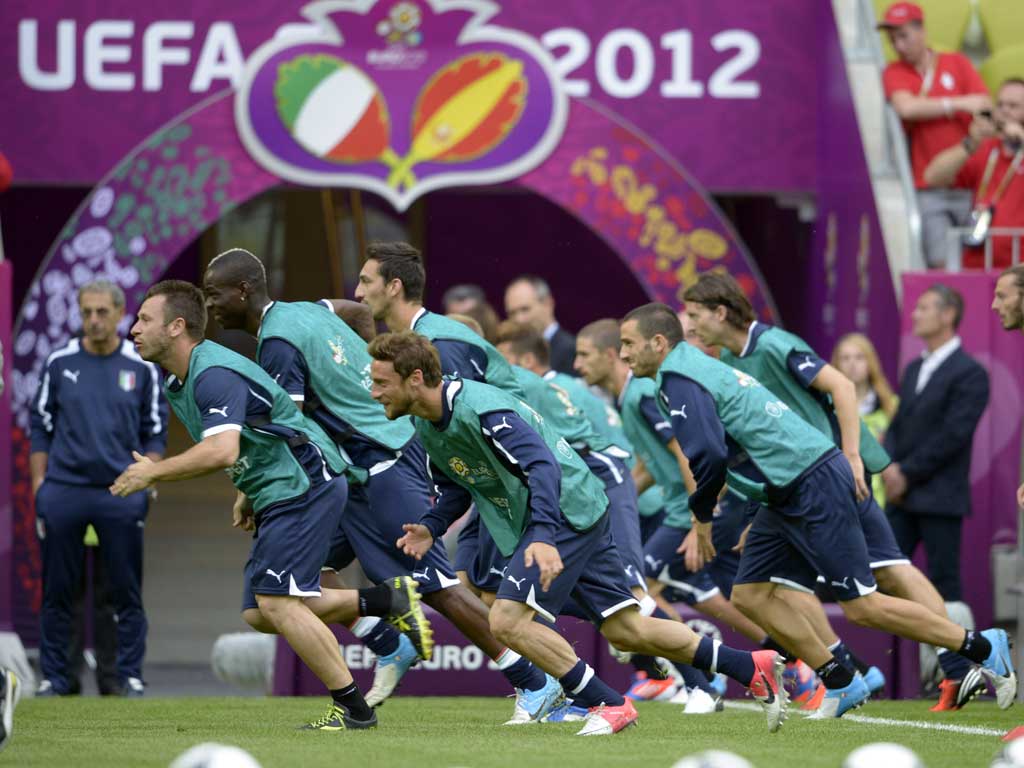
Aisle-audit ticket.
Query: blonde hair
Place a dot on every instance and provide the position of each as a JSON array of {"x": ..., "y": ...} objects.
[{"x": 876, "y": 377}]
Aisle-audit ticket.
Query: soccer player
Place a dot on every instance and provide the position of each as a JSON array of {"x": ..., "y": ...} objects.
[
  {"x": 650, "y": 433},
  {"x": 293, "y": 488},
  {"x": 391, "y": 283},
  {"x": 97, "y": 403},
  {"x": 1008, "y": 303},
  {"x": 823, "y": 397},
  {"x": 727, "y": 535},
  {"x": 728, "y": 424},
  {"x": 323, "y": 365},
  {"x": 548, "y": 515},
  {"x": 578, "y": 417}
]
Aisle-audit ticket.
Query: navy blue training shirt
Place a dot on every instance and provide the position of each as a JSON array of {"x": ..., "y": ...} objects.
[{"x": 92, "y": 411}]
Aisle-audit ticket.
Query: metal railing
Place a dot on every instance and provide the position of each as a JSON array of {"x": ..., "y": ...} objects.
[
  {"x": 954, "y": 246},
  {"x": 895, "y": 162}
]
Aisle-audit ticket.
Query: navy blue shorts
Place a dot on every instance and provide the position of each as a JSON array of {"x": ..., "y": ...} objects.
[
  {"x": 624, "y": 517},
  {"x": 291, "y": 543},
  {"x": 883, "y": 550},
  {"x": 592, "y": 575},
  {"x": 373, "y": 519},
  {"x": 662, "y": 563},
  {"x": 728, "y": 524},
  {"x": 816, "y": 531},
  {"x": 489, "y": 564},
  {"x": 650, "y": 523}
]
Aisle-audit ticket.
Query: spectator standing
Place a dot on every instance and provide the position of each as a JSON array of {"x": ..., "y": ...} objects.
[
  {"x": 942, "y": 396},
  {"x": 98, "y": 402},
  {"x": 470, "y": 300},
  {"x": 935, "y": 95},
  {"x": 528, "y": 301},
  {"x": 989, "y": 161},
  {"x": 855, "y": 357}
]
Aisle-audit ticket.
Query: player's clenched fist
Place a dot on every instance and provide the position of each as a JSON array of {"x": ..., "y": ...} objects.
[{"x": 417, "y": 540}]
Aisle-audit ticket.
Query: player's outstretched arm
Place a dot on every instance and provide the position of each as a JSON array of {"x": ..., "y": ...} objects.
[
  {"x": 832, "y": 382},
  {"x": 213, "y": 453}
]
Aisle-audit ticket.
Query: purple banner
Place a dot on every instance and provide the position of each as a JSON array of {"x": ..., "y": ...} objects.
[
  {"x": 645, "y": 205},
  {"x": 995, "y": 460},
  {"x": 727, "y": 88},
  {"x": 6, "y": 509}
]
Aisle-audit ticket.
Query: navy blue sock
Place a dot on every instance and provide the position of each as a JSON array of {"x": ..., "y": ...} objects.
[
  {"x": 976, "y": 646},
  {"x": 377, "y": 635},
  {"x": 834, "y": 674},
  {"x": 713, "y": 656},
  {"x": 588, "y": 690},
  {"x": 649, "y": 666},
  {"x": 954, "y": 666},
  {"x": 520, "y": 672},
  {"x": 847, "y": 658},
  {"x": 694, "y": 678}
]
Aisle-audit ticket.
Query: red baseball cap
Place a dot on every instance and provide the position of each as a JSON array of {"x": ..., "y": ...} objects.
[{"x": 898, "y": 14}]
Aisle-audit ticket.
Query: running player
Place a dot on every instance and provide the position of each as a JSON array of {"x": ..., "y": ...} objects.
[
  {"x": 824, "y": 398},
  {"x": 323, "y": 365},
  {"x": 728, "y": 424},
  {"x": 547, "y": 513},
  {"x": 293, "y": 488}
]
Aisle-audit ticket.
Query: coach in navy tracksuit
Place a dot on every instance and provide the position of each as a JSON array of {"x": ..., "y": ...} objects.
[{"x": 98, "y": 401}]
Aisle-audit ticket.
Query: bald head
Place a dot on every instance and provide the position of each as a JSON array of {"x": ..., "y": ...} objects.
[
  {"x": 237, "y": 266},
  {"x": 235, "y": 287}
]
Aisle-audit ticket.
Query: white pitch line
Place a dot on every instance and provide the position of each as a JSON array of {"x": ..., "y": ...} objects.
[{"x": 970, "y": 730}]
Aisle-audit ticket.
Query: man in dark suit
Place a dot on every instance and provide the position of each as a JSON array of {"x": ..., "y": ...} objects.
[
  {"x": 942, "y": 397},
  {"x": 528, "y": 301}
]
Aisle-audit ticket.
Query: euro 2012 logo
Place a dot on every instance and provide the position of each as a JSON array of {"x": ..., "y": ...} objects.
[
  {"x": 458, "y": 466},
  {"x": 402, "y": 25},
  {"x": 450, "y": 100}
]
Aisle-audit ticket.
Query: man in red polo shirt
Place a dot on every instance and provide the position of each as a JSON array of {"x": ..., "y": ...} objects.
[
  {"x": 935, "y": 95},
  {"x": 989, "y": 162}
]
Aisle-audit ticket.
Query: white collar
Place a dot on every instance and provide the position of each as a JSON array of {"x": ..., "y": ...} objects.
[
  {"x": 550, "y": 331},
  {"x": 938, "y": 356},
  {"x": 550, "y": 375},
  {"x": 263, "y": 315},
  {"x": 750, "y": 339},
  {"x": 415, "y": 318}
]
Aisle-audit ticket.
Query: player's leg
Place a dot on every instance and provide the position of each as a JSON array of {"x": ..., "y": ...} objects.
[
  {"x": 897, "y": 576},
  {"x": 827, "y": 529},
  {"x": 120, "y": 524},
  {"x": 771, "y": 569},
  {"x": 283, "y": 579},
  {"x": 521, "y": 599},
  {"x": 599, "y": 590},
  {"x": 61, "y": 520}
]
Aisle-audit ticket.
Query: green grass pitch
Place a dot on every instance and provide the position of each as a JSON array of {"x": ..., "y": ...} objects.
[{"x": 448, "y": 732}]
